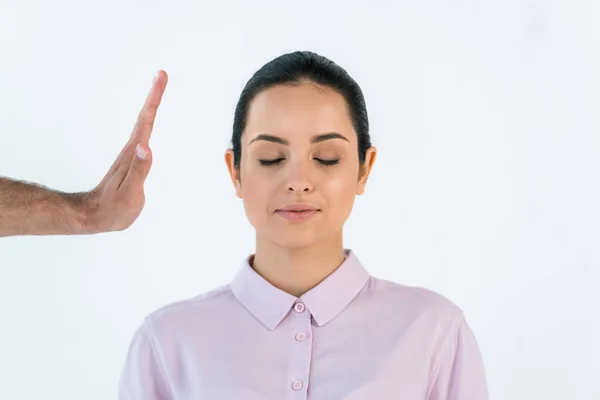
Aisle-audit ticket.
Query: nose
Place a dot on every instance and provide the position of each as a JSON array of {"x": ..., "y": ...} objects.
[{"x": 299, "y": 180}]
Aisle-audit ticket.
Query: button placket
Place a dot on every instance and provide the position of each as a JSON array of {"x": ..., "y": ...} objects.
[{"x": 300, "y": 352}]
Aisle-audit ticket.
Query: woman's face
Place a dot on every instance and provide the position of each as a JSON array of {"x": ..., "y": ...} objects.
[{"x": 299, "y": 150}]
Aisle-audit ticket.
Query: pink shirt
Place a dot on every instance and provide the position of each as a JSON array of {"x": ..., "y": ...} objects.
[{"x": 352, "y": 337}]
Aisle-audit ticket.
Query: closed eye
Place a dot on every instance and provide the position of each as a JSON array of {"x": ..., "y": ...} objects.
[
  {"x": 327, "y": 162},
  {"x": 269, "y": 163},
  {"x": 276, "y": 161}
]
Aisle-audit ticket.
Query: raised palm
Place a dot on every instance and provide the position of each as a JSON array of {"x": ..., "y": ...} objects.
[{"x": 119, "y": 198}]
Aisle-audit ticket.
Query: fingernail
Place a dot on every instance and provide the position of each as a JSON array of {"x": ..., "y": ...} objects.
[{"x": 141, "y": 153}]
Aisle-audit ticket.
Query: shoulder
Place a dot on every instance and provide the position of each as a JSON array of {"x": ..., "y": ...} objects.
[
  {"x": 193, "y": 310},
  {"x": 426, "y": 306}
]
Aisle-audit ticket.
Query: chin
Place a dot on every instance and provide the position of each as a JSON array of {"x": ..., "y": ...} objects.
[{"x": 295, "y": 240}]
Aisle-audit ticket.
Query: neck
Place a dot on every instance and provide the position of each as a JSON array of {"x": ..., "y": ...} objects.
[{"x": 297, "y": 270}]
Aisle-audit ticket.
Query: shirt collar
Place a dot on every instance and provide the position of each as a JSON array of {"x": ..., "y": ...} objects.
[{"x": 325, "y": 301}]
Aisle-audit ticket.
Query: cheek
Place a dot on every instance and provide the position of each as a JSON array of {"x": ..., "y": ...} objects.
[
  {"x": 257, "y": 190},
  {"x": 340, "y": 190}
]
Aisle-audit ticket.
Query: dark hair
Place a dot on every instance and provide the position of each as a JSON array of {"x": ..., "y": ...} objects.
[{"x": 293, "y": 69}]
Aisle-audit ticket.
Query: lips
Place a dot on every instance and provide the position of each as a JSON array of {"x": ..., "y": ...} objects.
[
  {"x": 297, "y": 212},
  {"x": 298, "y": 208}
]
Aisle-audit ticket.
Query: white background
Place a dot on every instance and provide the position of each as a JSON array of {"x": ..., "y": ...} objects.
[{"x": 486, "y": 189}]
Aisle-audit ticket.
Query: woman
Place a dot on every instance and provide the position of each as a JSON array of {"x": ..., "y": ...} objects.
[{"x": 303, "y": 319}]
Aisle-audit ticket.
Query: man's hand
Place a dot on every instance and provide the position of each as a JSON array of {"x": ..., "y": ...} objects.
[
  {"x": 32, "y": 209},
  {"x": 118, "y": 200}
]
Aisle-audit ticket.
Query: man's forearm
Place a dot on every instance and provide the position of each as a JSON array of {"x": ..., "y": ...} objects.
[{"x": 31, "y": 209}]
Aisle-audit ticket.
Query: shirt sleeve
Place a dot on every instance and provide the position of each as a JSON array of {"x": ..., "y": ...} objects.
[
  {"x": 460, "y": 373},
  {"x": 142, "y": 377}
]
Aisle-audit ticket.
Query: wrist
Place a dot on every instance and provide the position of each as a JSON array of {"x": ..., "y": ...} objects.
[{"x": 80, "y": 213}]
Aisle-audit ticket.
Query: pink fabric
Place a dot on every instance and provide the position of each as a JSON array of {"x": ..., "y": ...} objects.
[{"x": 352, "y": 337}]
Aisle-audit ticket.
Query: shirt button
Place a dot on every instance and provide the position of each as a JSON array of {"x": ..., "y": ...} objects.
[
  {"x": 300, "y": 336},
  {"x": 297, "y": 385},
  {"x": 299, "y": 307}
]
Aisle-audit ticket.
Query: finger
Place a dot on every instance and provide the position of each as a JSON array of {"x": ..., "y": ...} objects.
[
  {"x": 138, "y": 169},
  {"x": 152, "y": 101},
  {"x": 145, "y": 122}
]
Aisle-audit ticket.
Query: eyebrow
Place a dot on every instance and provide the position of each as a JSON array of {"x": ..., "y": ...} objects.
[{"x": 314, "y": 139}]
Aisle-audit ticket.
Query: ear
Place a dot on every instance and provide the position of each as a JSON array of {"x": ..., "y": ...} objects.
[
  {"x": 365, "y": 170},
  {"x": 234, "y": 173}
]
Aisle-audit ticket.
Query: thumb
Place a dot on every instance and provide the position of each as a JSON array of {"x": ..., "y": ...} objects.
[{"x": 139, "y": 168}]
